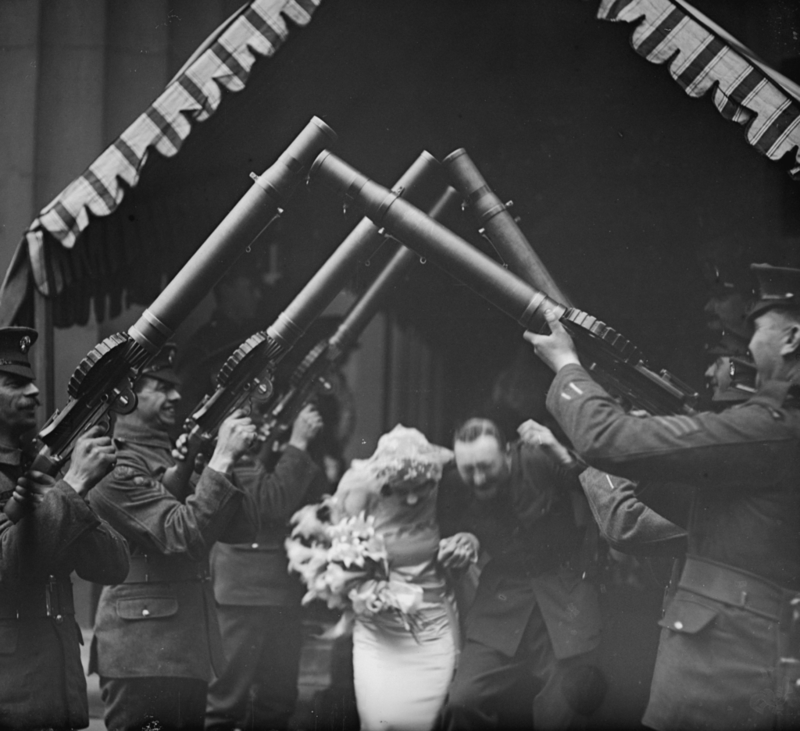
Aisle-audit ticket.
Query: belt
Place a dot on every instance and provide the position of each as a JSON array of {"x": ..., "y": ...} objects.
[
  {"x": 732, "y": 586},
  {"x": 170, "y": 569},
  {"x": 51, "y": 598}
]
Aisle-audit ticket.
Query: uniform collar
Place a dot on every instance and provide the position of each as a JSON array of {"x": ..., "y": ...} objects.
[
  {"x": 777, "y": 392},
  {"x": 143, "y": 435}
]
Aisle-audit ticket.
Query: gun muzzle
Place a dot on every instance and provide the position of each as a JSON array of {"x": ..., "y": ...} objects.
[
  {"x": 334, "y": 273},
  {"x": 433, "y": 240},
  {"x": 249, "y": 217},
  {"x": 499, "y": 226}
]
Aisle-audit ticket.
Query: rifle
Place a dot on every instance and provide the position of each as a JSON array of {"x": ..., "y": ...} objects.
[
  {"x": 609, "y": 355},
  {"x": 246, "y": 376},
  {"x": 102, "y": 381},
  {"x": 311, "y": 376}
]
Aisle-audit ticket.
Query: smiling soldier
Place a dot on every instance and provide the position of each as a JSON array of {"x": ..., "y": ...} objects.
[{"x": 156, "y": 635}]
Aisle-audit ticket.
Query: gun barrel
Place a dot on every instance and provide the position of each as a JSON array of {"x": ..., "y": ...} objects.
[
  {"x": 619, "y": 363},
  {"x": 431, "y": 239},
  {"x": 333, "y": 274},
  {"x": 499, "y": 225},
  {"x": 364, "y": 310},
  {"x": 243, "y": 224}
]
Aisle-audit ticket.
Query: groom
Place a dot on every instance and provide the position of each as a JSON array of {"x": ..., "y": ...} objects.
[{"x": 534, "y": 619}]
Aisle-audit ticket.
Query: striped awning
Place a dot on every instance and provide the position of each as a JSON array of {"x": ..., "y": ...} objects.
[
  {"x": 224, "y": 63},
  {"x": 702, "y": 59}
]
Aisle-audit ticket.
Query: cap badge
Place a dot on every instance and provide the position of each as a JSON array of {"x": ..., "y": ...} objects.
[{"x": 24, "y": 344}]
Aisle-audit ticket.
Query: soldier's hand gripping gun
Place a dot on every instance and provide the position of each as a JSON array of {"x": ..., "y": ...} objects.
[
  {"x": 609, "y": 355},
  {"x": 312, "y": 375},
  {"x": 102, "y": 381},
  {"x": 246, "y": 376}
]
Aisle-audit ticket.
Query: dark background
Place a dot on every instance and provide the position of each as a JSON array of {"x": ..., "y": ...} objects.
[{"x": 622, "y": 183}]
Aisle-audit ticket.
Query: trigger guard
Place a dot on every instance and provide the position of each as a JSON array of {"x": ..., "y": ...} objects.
[{"x": 105, "y": 424}]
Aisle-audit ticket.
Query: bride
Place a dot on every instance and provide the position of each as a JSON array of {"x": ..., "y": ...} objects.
[{"x": 402, "y": 672}]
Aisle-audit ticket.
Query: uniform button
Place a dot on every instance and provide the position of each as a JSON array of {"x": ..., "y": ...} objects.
[
  {"x": 678, "y": 625},
  {"x": 145, "y": 612},
  {"x": 254, "y": 545},
  {"x": 501, "y": 597}
]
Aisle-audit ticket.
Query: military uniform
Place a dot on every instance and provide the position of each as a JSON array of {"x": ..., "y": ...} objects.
[
  {"x": 533, "y": 611},
  {"x": 629, "y": 525},
  {"x": 258, "y": 601},
  {"x": 725, "y": 629},
  {"x": 42, "y": 683},
  {"x": 160, "y": 623}
]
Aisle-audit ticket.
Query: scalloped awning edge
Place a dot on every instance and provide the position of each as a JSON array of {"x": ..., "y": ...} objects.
[{"x": 702, "y": 62}]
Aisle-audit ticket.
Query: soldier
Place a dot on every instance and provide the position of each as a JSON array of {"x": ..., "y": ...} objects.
[
  {"x": 534, "y": 620},
  {"x": 623, "y": 511},
  {"x": 156, "y": 634},
  {"x": 728, "y": 651},
  {"x": 42, "y": 684},
  {"x": 258, "y": 602}
]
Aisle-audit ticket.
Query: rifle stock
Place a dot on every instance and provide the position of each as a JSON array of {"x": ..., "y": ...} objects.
[
  {"x": 102, "y": 381},
  {"x": 614, "y": 359}
]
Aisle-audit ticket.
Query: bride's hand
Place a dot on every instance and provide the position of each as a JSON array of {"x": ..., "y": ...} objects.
[{"x": 458, "y": 551}]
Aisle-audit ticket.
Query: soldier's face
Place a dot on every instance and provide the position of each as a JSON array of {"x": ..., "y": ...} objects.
[
  {"x": 18, "y": 402},
  {"x": 774, "y": 345},
  {"x": 483, "y": 465},
  {"x": 157, "y": 402}
]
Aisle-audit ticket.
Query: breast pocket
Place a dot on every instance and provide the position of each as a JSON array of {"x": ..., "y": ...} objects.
[
  {"x": 147, "y": 607},
  {"x": 688, "y": 616}
]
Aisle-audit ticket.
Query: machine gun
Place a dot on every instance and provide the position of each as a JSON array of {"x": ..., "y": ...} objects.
[
  {"x": 498, "y": 226},
  {"x": 312, "y": 375},
  {"x": 611, "y": 357},
  {"x": 102, "y": 380},
  {"x": 246, "y": 376}
]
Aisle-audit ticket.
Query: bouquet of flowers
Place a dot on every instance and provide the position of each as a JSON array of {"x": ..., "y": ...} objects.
[{"x": 344, "y": 563}]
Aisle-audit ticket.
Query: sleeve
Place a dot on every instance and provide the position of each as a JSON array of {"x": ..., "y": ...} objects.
[
  {"x": 626, "y": 523},
  {"x": 296, "y": 481},
  {"x": 544, "y": 485},
  {"x": 273, "y": 497},
  {"x": 146, "y": 513},
  {"x": 101, "y": 555},
  {"x": 52, "y": 535},
  {"x": 743, "y": 445}
]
